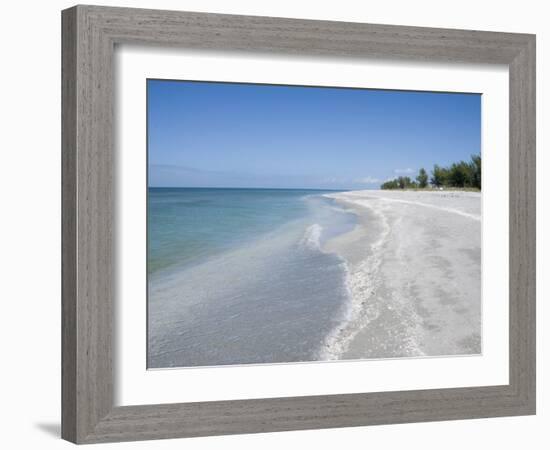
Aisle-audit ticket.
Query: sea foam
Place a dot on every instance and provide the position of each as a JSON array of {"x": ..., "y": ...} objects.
[
  {"x": 363, "y": 281},
  {"x": 312, "y": 237}
]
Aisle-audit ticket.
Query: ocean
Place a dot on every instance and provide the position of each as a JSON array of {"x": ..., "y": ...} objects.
[{"x": 239, "y": 276}]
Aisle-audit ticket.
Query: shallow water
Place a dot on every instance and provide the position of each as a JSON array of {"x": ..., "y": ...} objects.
[{"x": 238, "y": 276}]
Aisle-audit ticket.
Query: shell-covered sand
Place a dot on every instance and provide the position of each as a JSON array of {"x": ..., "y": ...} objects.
[{"x": 414, "y": 275}]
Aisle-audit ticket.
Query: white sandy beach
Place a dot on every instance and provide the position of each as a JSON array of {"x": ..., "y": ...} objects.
[{"x": 414, "y": 275}]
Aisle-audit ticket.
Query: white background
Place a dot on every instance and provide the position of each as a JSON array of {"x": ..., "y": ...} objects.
[
  {"x": 30, "y": 225},
  {"x": 134, "y": 385}
]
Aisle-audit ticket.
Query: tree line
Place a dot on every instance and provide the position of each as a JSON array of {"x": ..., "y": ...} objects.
[{"x": 463, "y": 174}]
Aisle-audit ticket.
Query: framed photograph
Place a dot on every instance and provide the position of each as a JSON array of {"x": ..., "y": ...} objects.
[{"x": 278, "y": 224}]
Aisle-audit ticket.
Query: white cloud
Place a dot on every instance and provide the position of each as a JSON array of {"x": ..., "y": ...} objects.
[
  {"x": 368, "y": 180},
  {"x": 408, "y": 170}
]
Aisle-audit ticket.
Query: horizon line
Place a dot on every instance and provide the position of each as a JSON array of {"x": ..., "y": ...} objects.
[{"x": 240, "y": 187}]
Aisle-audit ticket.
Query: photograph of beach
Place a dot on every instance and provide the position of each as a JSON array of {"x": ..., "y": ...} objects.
[{"x": 294, "y": 224}]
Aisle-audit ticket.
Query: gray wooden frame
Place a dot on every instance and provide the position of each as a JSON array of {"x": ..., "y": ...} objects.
[{"x": 89, "y": 36}]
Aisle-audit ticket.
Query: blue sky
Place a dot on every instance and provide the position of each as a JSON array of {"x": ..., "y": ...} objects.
[{"x": 248, "y": 135}]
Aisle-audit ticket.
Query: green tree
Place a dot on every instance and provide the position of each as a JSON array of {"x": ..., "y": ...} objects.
[
  {"x": 390, "y": 184},
  {"x": 475, "y": 170},
  {"x": 439, "y": 176},
  {"x": 459, "y": 175},
  {"x": 422, "y": 178},
  {"x": 404, "y": 182}
]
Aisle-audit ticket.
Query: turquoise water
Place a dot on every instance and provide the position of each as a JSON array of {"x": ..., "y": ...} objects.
[
  {"x": 186, "y": 225},
  {"x": 238, "y": 276}
]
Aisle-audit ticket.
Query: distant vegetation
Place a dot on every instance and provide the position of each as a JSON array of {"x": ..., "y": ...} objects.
[{"x": 458, "y": 175}]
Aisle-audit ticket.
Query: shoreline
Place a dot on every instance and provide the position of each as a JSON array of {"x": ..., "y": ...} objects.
[
  {"x": 272, "y": 299},
  {"x": 383, "y": 283},
  {"x": 413, "y": 274}
]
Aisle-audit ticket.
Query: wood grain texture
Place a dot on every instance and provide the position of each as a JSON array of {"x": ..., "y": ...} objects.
[
  {"x": 68, "y": 226},
  {"x": 89, "y": 36},
  {"x": 523, "y": 223}
]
